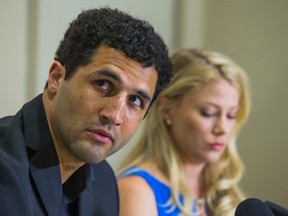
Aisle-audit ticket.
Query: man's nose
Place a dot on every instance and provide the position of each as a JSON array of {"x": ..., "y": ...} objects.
[{"x": 113, "y": 111}]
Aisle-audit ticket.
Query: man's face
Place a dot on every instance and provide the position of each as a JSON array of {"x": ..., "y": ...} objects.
[{"x": 95, "y": 112}]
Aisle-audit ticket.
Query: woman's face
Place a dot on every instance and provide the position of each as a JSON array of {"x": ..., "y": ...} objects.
[{"x": 204, "y": 120}]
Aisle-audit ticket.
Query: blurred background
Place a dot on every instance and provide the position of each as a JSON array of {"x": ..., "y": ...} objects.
[{"x": 253, "y": 33}]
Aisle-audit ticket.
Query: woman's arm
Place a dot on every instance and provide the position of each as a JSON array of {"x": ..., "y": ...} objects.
[{"x": 136, "y": 197}]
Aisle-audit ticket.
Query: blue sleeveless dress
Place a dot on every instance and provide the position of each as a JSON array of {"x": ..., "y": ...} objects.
[{"x": 161, "y": 191}]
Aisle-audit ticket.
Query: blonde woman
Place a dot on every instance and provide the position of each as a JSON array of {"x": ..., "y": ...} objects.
[{"x": 186, "y": 161}]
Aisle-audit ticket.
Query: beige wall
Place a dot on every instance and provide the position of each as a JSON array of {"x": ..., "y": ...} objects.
[
  {"x": 13, "y": 61},
  {"x": 253, "y": 33}
]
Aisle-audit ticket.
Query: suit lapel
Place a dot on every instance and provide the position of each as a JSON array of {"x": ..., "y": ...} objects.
[
  {"x": 86, "y": 202},
  {"x": 44, "y": 164},
  {"x": 46, "y": 175}
]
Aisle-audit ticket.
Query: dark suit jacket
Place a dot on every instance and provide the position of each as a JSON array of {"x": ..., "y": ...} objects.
[{"x": 30, "y": 181}]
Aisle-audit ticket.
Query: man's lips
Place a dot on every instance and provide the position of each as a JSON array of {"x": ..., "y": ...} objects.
[{"x": 101, "y": 135}]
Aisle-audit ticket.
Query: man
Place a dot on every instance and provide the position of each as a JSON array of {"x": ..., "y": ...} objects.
[{"x": 107, "y": 71}]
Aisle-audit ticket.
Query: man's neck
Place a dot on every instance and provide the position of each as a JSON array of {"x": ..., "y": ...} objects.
[{"x": 67, "y": 162}]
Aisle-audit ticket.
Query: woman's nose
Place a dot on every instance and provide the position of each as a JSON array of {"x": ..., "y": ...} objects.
[{"x": 220, "y": 127}]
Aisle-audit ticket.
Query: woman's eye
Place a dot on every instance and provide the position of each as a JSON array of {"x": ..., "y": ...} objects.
[
  {"x": 231, "y": 116},
  {"x": 207, "y": 114},
  {"x": 136, "y": 100},
  {"x": 103, "y": 84}
]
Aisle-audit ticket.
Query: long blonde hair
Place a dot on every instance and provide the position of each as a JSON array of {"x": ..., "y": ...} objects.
[{"x": 192, "y": 68}]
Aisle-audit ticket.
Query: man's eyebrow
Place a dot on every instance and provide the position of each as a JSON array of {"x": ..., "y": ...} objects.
[
  {"x": 144, "y": 95},
  {"x": 116, "y": 77},
  {"x": 111, "y": 74}
]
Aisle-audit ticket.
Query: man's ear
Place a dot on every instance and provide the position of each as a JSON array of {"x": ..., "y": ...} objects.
[{"x": 56, "y": 76}]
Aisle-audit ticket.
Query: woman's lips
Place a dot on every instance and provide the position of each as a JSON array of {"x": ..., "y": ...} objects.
[{"x": 217, "y": 146}]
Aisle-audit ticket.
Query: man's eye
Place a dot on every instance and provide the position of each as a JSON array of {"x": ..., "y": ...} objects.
[
  {"x": 103, "y": 84},
  {"x": 136, "y": 100}
]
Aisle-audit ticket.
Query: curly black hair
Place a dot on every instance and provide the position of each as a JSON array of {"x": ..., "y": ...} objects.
[{"x": 116, "y": 29}]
